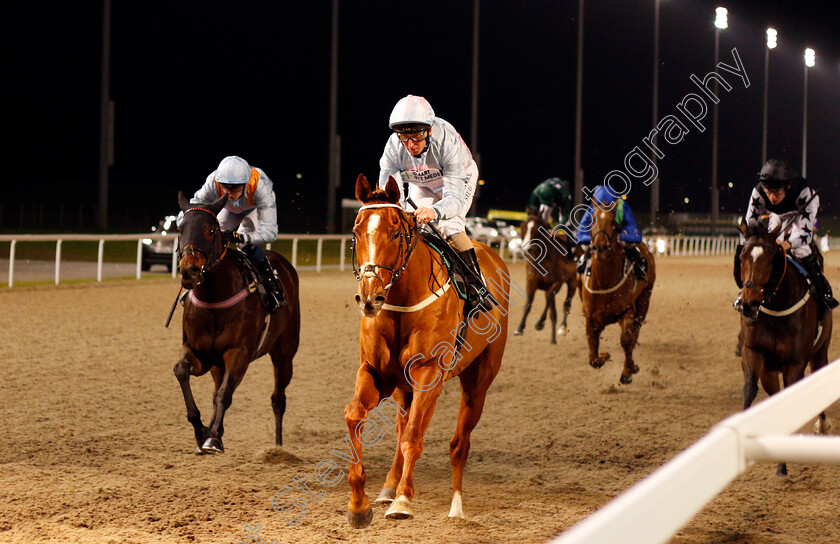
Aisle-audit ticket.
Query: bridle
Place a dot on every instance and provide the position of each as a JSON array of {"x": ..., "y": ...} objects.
[
  {"x": 408, "y": 241},
  {"x": 777, "y": 272},
  {"x": 211, "y": 257}
]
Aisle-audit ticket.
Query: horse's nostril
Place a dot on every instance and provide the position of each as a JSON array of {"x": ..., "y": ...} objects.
[
  {"x": 358, "y": 298},
  {"x": 379, "y": 299}
]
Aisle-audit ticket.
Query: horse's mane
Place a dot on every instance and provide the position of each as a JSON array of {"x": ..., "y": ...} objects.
[{"x": 757, "y": 229}]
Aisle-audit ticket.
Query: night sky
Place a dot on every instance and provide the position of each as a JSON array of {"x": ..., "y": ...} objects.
[{"x": 195, "y": 81}]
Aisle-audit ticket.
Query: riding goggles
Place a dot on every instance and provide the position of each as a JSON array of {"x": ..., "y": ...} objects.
[{"x": 413, "y": 136}]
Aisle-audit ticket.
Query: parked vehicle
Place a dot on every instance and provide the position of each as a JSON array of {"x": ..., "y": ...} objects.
[
  {"x": 160, "y": 251},
  {"x": 494, "y": 231}
]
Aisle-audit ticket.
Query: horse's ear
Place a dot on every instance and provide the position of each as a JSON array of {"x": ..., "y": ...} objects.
[
  {"x": 217, "y": 206},
  {"x": 392, "y": 190},
  {"x": 183, "y": 201},
  {"x": 363, "y": 190},
  {"x": 742, "y": 226}
]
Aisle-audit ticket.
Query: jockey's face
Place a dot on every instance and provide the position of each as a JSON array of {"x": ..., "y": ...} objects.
[
  {"x": 234, "y": 191},
  {"x": 414, "y": 142},
  {"x": 775, "y": 195}
]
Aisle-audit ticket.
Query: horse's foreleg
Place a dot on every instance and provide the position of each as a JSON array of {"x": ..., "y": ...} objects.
[
  {"x": 411, "y": 441},
  {"x": 530, "y": 289},
  {"x": 567, "y": 307},
  {"x": 236, "y": 363},
  {"x": 551, "y": 306},
  {"x": 630, "y": 326},
  {"x": 752, "y": 365},
  {"x": 593, "y": 336},
  {"x": 182, "y": 371},
  {"x": 389, "y": 490},
  {"x": 282, "y": 362},
  {"x": 475, "y": 380},
  {"x": 359, "y": 512}
]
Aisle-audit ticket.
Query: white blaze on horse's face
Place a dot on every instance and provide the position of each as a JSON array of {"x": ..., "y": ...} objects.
[
  {"x": 372, "y": 227},
  {"x": 527, "y": 237},
  {"x": 756, "y": 252}
]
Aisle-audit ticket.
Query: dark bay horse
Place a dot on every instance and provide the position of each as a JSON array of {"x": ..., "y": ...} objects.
[
  {"x": 410, "y": 317},
  {"x": 779, "y": 320},
  {"x": 549, "y": 269},
  {"x": 611, "y": 292},
  {"x": 225, "y": 326}
]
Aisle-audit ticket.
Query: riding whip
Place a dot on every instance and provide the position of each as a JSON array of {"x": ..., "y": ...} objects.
[{"x": 174, "y": 304}]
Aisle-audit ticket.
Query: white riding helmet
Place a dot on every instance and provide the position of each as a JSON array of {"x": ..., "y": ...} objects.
[
  {"x": 411, "y": 114},
  {"x": 233, "y": 170}
]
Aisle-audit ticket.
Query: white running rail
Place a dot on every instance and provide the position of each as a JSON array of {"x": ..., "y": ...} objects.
[{"x": 654, "y": 509}]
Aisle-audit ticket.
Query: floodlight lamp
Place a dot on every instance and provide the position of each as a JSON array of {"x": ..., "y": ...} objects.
[
  {"x": 771, "y": 38},
  {"x": 810, "y": 58},
  {"x": 720, "y": 18}
]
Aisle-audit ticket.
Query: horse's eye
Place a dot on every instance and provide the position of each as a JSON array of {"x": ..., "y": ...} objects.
[{"x": 396, "y": 235}]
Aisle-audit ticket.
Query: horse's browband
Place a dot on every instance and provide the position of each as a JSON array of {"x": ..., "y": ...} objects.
[
  {"x": 369, "y": 206},
  {"x": 200, "y": 210}
]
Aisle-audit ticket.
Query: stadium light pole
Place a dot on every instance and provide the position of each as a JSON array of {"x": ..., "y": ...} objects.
[
  {"x": 771, "y": 44},
  {"x": 810, "y": 61},
  {"x": 474, "y": 108},
  {"x": 654, "y": 187},
  {"x": 578, "y": 174},
  {"x": 720, "y": 23},
  {"x": 334, "y": 165}
]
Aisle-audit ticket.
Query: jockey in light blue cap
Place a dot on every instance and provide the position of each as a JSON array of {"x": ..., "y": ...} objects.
[{"x": 629, "y": 235}]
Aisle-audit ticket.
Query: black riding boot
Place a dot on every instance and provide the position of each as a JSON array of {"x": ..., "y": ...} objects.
[
  {"x": 273, "y": 297},
  {"x": 639, "y": 263},
  {"x": 818, "y": 281},
  {"x": 477, "y": 293},
  {"x": 736, "y": 266}
]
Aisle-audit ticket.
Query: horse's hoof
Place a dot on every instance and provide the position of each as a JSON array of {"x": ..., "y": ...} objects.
[
  {"x": 625, "y": 379},
  {"x": 554, "y": 341},
  {"x": 562, "y": 331},
  {"x": 360, "y": 521},
  {"x": 400, "y": 509},
  {"x": 386, "y": 496},
  {"x": 596, "y": 363},
  {"x": 539, "y": 325},
  {"x": 212, "y": 445},
  {"x": 517, "y": 332},
  {"x": 635, "y": 369},
  {"x": 821, "y": 426}
]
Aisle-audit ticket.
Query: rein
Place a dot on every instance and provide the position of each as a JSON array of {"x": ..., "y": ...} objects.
[{"x": 627, "y": 270}]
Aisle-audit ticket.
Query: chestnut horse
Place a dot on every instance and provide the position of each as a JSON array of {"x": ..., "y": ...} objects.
[
  {"x": 611, "y": 292},
  {"x": 410, "y": 316},
  {"x": 549, "y": 269},
  {"x": 225, "y": 326},
  {"x": 779, "y": 320}
]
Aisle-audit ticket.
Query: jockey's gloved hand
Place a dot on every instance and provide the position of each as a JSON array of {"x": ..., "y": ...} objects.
[{"x": 235, "y": 237}]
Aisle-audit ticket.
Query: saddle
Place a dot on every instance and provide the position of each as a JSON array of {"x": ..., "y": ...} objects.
[
  {"x": 454, "y": 266},
  {"x": 250, "y": 275}
]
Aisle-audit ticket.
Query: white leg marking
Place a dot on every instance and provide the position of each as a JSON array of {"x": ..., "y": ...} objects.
[{"x": 457, "y": 509}]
